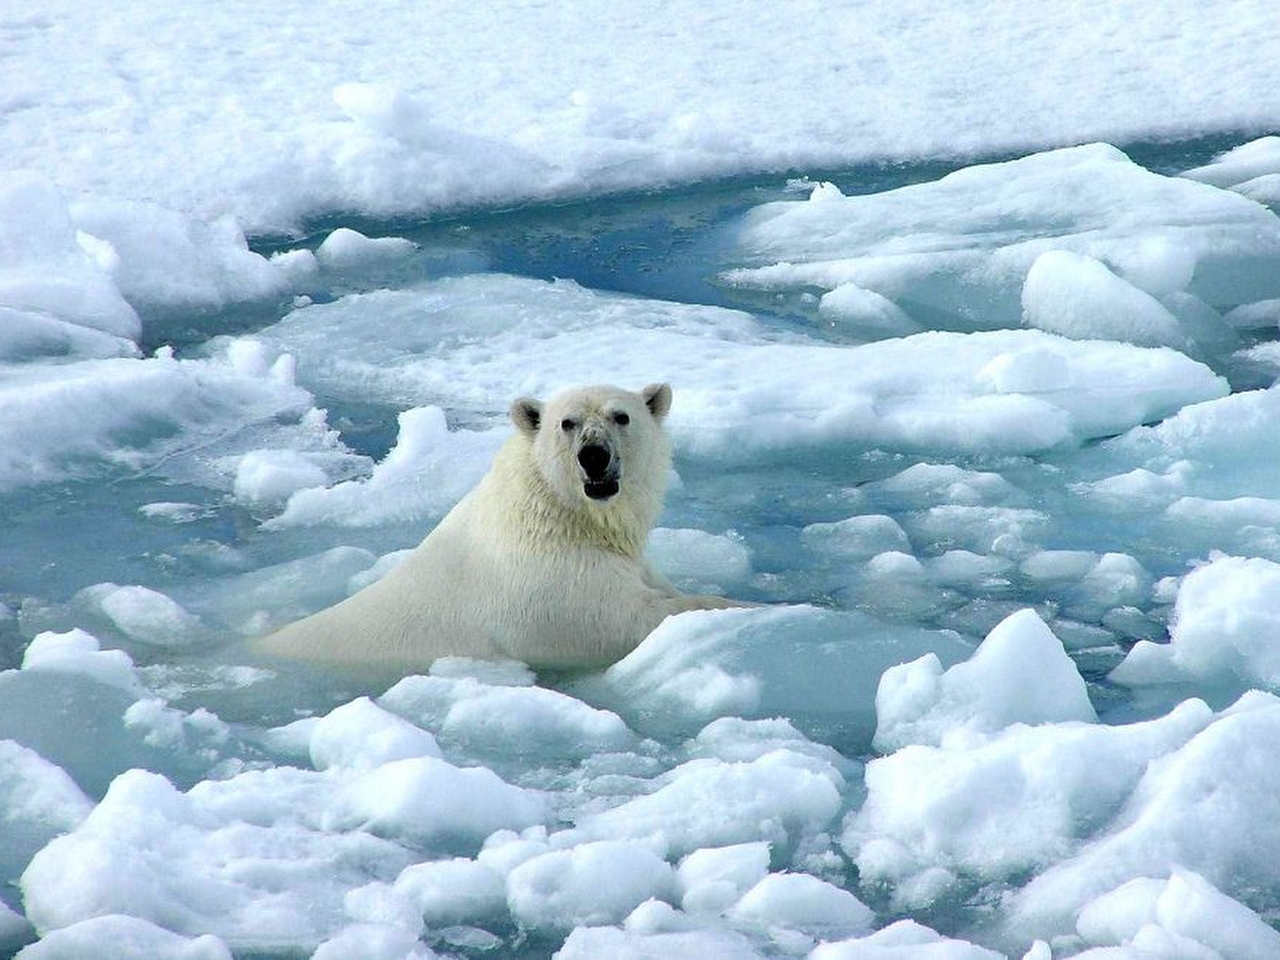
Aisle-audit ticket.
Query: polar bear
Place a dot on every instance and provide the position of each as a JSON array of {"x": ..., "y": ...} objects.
[{"x": 542, "y": 562}]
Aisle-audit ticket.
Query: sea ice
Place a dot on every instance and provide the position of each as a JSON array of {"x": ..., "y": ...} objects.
[
  {"x": 254, "y": 602},
  {"x": 998, "y": 391},
  {"x": 38, "y": 800},
  {"x": 270, "y": 476},
  {"x": 783, "y": 797},
  {"x": 1201, "y": 477},
  {"x": 986, "y": 808},
  {"x": 1184, "y": 906},
  {"x": 427, "y": 801},
  {"x": 1246, "y": 168},
  {"x": 446, "y": 892},
  {"x": 137, "y": 414},
  {"x": 423, "y": 476},
  {"x": 373, "y": 941},
  {"x": 46, "y": 270},
  {"x": 702, "y": 665},
  {"x": 1077, "y": 296},
  {"x": 1019, "y": 674},
  {"x": 1224, "y": 630},
  {"x": 927, "y": 484},
  {"x": 193, "y": 869},
  {"x": 361, "y": 735},
  {"x": 903, "y": 940},
  {"x": 588, "y": 943},
  {"x": 14, "y": 929},
  {"x": 163, "y": 260},
  {"x": 590, "y": 884},
  {"x": 277, "y": 131},
  {"x": 964, "y": 251},
  {"x": 865, "y": 313},
  {"x": 345, "y": 249},
  {"x": 856, "y": 538},
  {"x": 507, "y": 718},
  {"x": 700, "y": 562},
  {"x": 78, "y": 652},
  {"x": 798, "y": 901},
  {"x": 130, "y": 938},
  {"x": 872, "y": 436},
  {"x": 93, "y": 718},
  {"x": 27, "y": 335},
  {"x": 714, "y": 878},
  {"x": 1184, "y": 810},
  {"x": 144, "y": 615}
]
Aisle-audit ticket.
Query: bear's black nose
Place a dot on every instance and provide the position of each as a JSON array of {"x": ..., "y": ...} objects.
[{"x": 595, "y": 461}]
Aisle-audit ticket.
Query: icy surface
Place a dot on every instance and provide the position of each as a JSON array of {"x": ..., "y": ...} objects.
[
  {"x": 1007, "y": 391},
  {"x": 1080, "y": 241},
  {"x": 1020, "y": 674},
  {"x": 1252, "y": 169},
  {"x": 983, "y": 416},
  {"x": 384, "y": 110}
]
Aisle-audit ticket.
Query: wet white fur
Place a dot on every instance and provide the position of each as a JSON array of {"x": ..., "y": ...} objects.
[{"x": 526, "y": 566}]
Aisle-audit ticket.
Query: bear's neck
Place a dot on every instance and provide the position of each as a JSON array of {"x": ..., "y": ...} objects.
[{"x": 621, "y": 526}]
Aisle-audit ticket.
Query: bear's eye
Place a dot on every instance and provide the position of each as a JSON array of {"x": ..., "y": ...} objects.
[
  {"x": 568, "y": 424},
  {"x": 621, "y": 419}
]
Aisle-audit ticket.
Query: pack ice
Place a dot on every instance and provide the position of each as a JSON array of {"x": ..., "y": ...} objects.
[{"x": 992, "y": 450}]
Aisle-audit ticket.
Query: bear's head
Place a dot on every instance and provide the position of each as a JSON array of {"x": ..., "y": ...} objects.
[{"x": 596, "y": 446}]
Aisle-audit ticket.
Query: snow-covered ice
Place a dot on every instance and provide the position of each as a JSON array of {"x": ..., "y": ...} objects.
[
  {"x": 972, "y": 317},
  {"x": 1047, "y": 240},
  {"x": 298, "y": 111}
]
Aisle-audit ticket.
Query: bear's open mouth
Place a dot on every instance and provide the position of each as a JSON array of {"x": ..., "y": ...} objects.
[{"x": 600, "y": 489}]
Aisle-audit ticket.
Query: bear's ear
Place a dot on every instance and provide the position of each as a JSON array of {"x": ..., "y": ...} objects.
[
  {"x": 526, "y": 414},
  {"x": 657, "y": 397}
]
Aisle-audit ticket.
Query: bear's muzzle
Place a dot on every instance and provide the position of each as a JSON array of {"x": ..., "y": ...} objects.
[{"x": 600, "y": 471}]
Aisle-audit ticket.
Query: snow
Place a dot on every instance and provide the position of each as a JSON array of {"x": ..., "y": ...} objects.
[
  {"x": 1020, "y": 674},
  {"x": 1186, "y": 907},
  {"x": 361, "y": 734},
  {"x": 1184, "y": 797},
  {"x": 1241, "y": 166},
  {"x": 714, "y": 878},
  {"x": 1225, "y": 625},
  {"x": 130, "y": 939},
  {"x": 1077, "y": 296},
  {"x": 699, "y": 666},
  {"x": 141, "y": 414},
  {"x": 781, "y": 797},
  {"x": 143, "y": 614},
  {"x": 594, "y": 884},
  {"x": 423, "y": 475},
  {"x": 79, "y": 653},
  {"x": 345, "y": 248},
  {"x": 971, "y": 316},
  {"x": 46, "y": 269},
  {"x": 802, "y": 902},
  {"x": 1012, "y": 391},
  {"x": 965, "y": 251},
  {"x": 507, "y": 715},
  {"x": 386, "y": 110}
]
